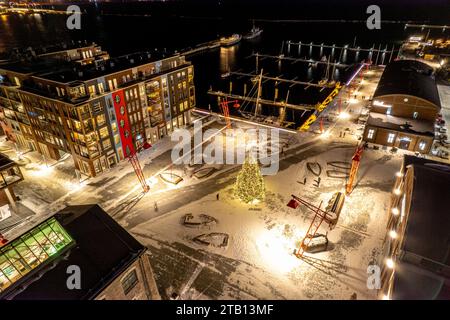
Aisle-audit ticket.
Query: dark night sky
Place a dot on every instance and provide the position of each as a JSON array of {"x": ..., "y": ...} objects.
[{"x": 437, "y": 11}]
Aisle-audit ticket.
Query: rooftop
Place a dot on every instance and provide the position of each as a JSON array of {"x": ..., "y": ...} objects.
[
  {"x": 17, "y": 53},
  {"x": 428, "y": 215},
  {"x": 102, "y": 249},
  {"x": 117, "y": 64},
  {"x": 405, "y": 125},
  {"x": 6, "y": 162},
  {"x": 408, "y": 77}
]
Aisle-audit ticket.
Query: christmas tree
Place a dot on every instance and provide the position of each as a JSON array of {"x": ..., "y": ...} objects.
[{"x": 249, "y": 183}]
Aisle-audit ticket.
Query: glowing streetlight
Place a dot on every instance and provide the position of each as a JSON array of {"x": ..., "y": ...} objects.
[
  {"x": 399, "y": 174},
  {"x": 325, "y": 135},
  {"x": 393, "y": 234},
  {"x": 390, "y": 263},
  {"x": 397, "y": 191},
  {"x": 385, "y": 297},
  {"x": 344, "y": 115},
  {"x": 395, "y": 211}
]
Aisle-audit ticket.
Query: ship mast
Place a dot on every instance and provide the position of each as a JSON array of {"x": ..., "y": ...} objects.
[{"x": 259, "y": 92}]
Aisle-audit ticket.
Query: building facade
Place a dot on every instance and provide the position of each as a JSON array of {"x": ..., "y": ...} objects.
[
  {"x": 404, "y": 108},
  {"x": 415, "y": 258},
  {"x": 80, "y": 253},
  {"x": 96, "y": 108}
]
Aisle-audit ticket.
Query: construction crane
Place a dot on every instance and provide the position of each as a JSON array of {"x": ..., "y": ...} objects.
[
  {"x": 319, "y": 217},
  {"x": 226, "y": 112},
  {"x": 356, "y": 159},
  {"x": 133, "y": 158}
]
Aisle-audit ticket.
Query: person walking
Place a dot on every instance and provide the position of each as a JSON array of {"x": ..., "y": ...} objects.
[{"x": 217, "y": 196}]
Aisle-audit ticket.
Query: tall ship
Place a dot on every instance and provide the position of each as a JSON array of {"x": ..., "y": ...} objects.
[
  {"x": 254, "y": 33},
  {"x": 230, "y": 41}
]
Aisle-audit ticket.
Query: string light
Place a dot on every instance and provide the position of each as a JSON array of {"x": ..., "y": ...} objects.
[
  {"x": 390, "y": 263},
  {"x": 249, "y": 186}
]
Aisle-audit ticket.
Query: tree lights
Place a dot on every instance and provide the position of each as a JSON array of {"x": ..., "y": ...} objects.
[{"x": 249, "y": 185}]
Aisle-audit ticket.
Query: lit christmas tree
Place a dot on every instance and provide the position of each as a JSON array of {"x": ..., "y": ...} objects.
[{"x": 249, "y": 183}]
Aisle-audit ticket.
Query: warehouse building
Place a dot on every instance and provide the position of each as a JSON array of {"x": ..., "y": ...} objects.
[
  {"x": 404, "y": 107},
  {"x": 416, "y": 252},
  {"x": 80, "y": 253}
]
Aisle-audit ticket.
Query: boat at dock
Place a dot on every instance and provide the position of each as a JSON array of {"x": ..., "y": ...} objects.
[
  {"x": 254, "y": 33},
  {"x": 230, "y": 41}
]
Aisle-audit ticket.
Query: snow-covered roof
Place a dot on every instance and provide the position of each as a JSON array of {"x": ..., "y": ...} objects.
[
  {"x": 406, "y": 125},
  {"x": 427, "y": 234},
  {"x": 409, "y": 77}
]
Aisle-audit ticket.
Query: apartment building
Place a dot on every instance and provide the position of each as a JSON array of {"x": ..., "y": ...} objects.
[{"x": 100, "y": 109}]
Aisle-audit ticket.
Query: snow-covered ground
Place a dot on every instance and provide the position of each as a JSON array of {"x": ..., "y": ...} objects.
[{"x": 257, "y": 262}]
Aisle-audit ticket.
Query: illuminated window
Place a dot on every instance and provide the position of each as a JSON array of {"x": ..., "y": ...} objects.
[
  {"x": 370, "y": 133},
  {"x": 391, "y": 137},
  {"x": 30, "y": 250},
  {"x": 101, "y": 89},
  {"x": 103, "y": 132},
  {"x": 388, "y": 111},
  {"x": 422, "y": 145}
]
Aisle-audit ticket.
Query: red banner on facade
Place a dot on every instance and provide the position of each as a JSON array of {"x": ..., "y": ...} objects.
[{"x": 122, "y": 120}]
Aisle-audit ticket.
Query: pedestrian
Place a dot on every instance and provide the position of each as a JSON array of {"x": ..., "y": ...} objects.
[
  {"x": 217, "y": 196},
  {"x": 304, "y": 181},
  {"x": 155, "y": 206}
]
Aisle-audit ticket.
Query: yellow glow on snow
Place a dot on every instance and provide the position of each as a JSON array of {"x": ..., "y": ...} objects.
[{"x": 276, "y": 250}]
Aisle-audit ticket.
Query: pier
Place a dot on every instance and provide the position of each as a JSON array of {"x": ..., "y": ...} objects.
[{"x": 206, "y": 46}]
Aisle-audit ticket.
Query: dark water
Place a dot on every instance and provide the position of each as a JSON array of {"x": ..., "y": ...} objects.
[{"x": 121, "y": 31}]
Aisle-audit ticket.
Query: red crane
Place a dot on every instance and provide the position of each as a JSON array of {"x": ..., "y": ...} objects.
[
  {"x": 356, "y": 159},
  {"x": 133, "y": 158},
  {"x": 226, "y": 112},
  {"x": 138, "y": 171},
  {"x": 319, "y": 217}
]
